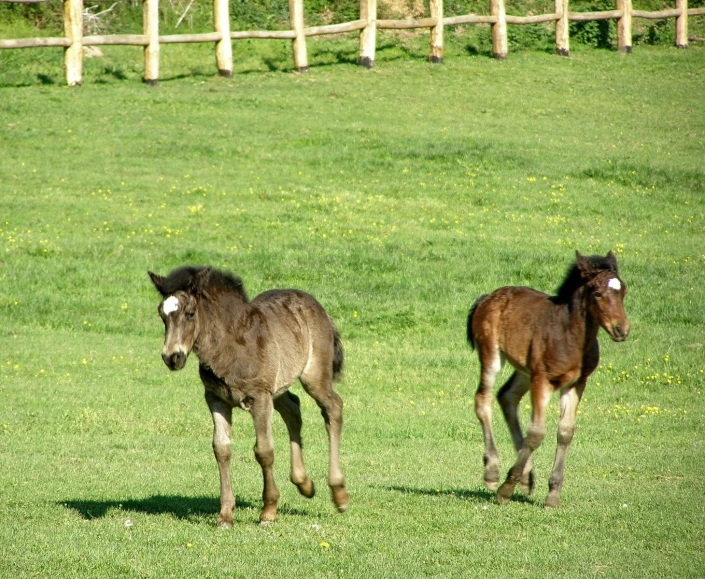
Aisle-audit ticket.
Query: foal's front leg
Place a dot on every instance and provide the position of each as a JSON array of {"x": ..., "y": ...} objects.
[
  {"x": 541, "y": 391},
  {"x": 570, "y": 398},
  {"x": 261, "y": 410},
  {"x": 222, "y": 417}
]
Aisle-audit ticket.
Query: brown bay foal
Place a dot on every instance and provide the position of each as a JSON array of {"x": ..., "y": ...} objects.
[
  {"x": 250, "y": 353},
  {"x": 551, "y": 341}
]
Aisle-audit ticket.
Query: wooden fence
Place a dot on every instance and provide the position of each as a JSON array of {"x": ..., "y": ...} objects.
[{"x": 74, "y": 40}]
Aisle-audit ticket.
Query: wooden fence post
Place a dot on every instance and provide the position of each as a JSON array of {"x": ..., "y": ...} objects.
[
  {"x": 368, "y": 36},
  {"x": 150, "y": 16},
  {"x": 73, "y": 53},
  {"x": 296, "y": 16},
  {"x": 682, "y": 24},
  {"x": 624, "y": 26},
  {"x": 436, "y": 55},
  {"x": 562, "y": 28},
  {"x": 224, "y": 47},
  {"x": 499, "y": 29}
]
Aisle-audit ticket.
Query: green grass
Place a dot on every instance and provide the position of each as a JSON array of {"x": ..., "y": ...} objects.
[{"x": 395, "y": 196}]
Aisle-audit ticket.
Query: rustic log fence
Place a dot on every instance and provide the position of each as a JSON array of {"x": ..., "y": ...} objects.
[{"x": 74, "y": 40}]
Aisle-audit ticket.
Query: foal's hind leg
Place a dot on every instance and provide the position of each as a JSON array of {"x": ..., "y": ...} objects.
[
  {"x": 222, "y": 416},
  {"x": 491, "y": 363},
  {"x": 320, "y": 389},
  {"x": 509, "y": 397},
  {"x": 288, "y": 406}
]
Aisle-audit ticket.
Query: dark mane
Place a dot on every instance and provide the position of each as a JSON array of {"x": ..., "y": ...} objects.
[
  {"x": 180, "y": 279},
  {"x": 574, "y": 279}
]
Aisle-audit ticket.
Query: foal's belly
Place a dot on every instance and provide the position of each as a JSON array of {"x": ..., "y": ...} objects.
[{"x": 517, "y": 363}]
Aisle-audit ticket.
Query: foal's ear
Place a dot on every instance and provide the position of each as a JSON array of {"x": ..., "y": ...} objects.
[
  {"x": 585, "y": 266},
  {"x": 612, "y": 260},
  {"x": 199, "y": 281},
  {"x": 157, "y": 280}
]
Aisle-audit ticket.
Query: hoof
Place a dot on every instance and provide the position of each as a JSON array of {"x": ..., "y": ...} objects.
[
  {"x": 552, "y": 502},
  {"x": 268, "y": 515},
  {"x": 341, "y": 498},
  {"x": 491, "y": 476},
  {"x": 307, "y": 489},
  {"x": 342, "y": 508},
  {"x": 225, "y": 523},
  {"x": 527, "y": 484},
  {"x": 492, "y": 485},
  {"x": 505, "y": 493}
]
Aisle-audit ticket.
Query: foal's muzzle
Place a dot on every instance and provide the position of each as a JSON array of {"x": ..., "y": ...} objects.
[
  {"x": 620, "y": 332},
  {"x": 175, "y": 360}
]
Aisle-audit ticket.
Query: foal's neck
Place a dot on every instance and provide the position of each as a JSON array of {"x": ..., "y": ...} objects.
[
  {"x": 582, "y": 324},
  {"x": 219, "y": 318}
]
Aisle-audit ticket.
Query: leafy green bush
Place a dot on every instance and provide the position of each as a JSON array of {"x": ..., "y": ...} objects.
[
  {"x": 528, "y": 36},
  {"x": 597, "y": 33}
]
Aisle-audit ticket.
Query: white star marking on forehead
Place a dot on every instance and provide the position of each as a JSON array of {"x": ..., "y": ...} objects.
[
  {"x": 614, "y": 284},
  {"x": 170, "y": 305}
]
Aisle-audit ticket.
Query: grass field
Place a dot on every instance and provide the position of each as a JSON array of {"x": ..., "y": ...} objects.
[{"x": 395, "y": 196}]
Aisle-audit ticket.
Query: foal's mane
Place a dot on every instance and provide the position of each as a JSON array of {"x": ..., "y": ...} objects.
[
  {"x": 180, "y": 280},
  {"x": 574, "y": 279}
]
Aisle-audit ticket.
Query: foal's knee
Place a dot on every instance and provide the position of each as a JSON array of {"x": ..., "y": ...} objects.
[
  {"x": 264, "y": 456},
  {"x": 483, "y": 405},
  {"x": 222, "y": 450},
  {"x": 565, "y": 434},
  {"x": 534, "y": 437}
]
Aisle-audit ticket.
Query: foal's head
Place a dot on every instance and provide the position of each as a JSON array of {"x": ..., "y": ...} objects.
[
  {"x": 181, "y": 292},
  {"x": 605, "y": 293}
]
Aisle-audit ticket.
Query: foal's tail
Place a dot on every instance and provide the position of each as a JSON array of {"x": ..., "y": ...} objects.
[
  {"x": 471, "y": 313},
  {"x": 337, "y": 355}
]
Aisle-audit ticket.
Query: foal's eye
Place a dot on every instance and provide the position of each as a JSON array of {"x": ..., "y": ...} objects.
[
  {"x": 191, "y": 315},
  {"x": 597, "y": 294}
]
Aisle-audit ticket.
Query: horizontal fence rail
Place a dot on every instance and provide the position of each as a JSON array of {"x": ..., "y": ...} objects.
[{"x": 74, "y": 40}]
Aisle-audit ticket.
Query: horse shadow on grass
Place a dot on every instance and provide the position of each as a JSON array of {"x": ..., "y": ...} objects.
[
  {"x": 178, "y": 507},
  {"x": 479, "y": 495},
  {"x": 45, "y": 79}
]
